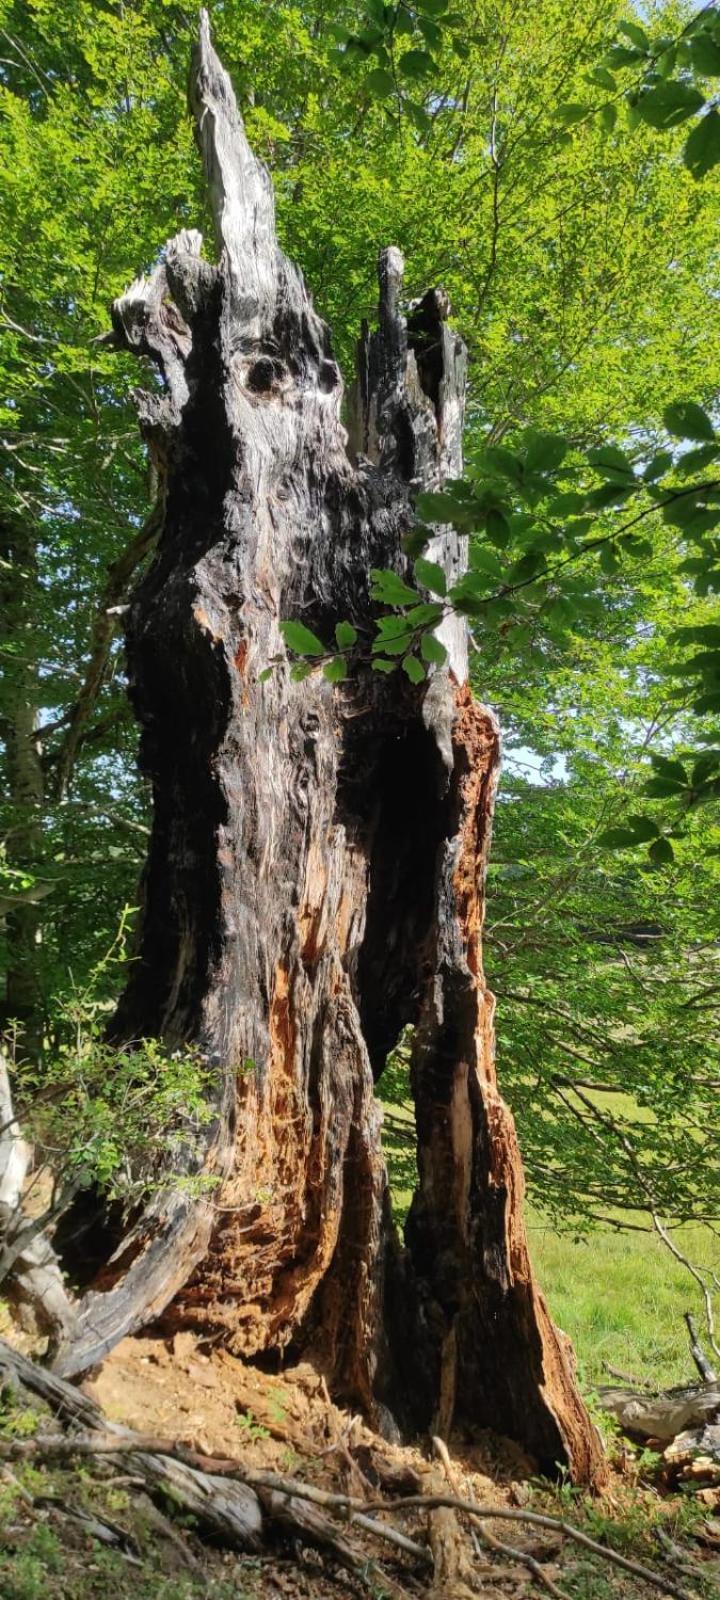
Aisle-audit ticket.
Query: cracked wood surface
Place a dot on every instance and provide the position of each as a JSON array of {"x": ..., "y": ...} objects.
[{"x": 315, "y": 880}]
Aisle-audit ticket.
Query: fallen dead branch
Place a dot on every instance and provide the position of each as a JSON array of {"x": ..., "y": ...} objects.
[
  {"x": 498, "y": 1545},
  {"x": 539, "y": 1519},
  {"x": 54, "y": 1446},
  {"x": 217, "y": 1493},
  {"x": 706, "y": 1370},
  {"x": 240, "y": 1504}
]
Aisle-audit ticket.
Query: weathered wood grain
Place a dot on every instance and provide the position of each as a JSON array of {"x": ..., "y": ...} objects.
[{"x": 315, "y": 880}]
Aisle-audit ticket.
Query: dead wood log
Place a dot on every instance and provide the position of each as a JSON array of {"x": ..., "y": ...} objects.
[
  {"x": 694, "y": 1454},
  {"x": 316, "y": 871},
  {"x": 222, "y": 1503},
  {"x": 665, "y": 1413},
  {"x": 231, "y": 1510},
  {"x": 29, "y": 1270}
]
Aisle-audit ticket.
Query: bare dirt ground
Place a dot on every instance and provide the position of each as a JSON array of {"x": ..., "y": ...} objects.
[
  {"x": 184, "y": 1391},
  {"x": 286, "y": 1423}
]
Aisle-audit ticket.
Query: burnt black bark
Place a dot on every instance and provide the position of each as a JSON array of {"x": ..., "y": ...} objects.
[{"x": 315, "y": 877}]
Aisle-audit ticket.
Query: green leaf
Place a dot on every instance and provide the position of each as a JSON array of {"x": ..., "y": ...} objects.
[
  {"x": 610, "y": 494},
  {"x": 701, "y": 633},
  {"x": 300, "y": 639},
  {"x": 608, "y": 117},
  {"x": 497, "y": 528},
  {"x": 417, "y": 114},
  {"x": 380, "y": 83},
  {"x": 570, "y": 113},
  {"x": 618, "y": 839},
  {"x": 393, "y": 647},
  {"x": 566, "y": 504},
  {"x": 391, "y": 589},
  {"x": 686, "y": 420},
  {"x": 622, "y": 55},
  {"x": 416, "y": 540},
  {"x": 708, "y": 703},
  {"x": 544, "y": 452},
  {"x": 485, "y": 561},
  {"x": 430, "y": 31},
  {"x": 431, "y": 576},
  {"x": 432, "y": 649},
  {"x": 706, "y": 765},
  {"x": 611, "y": 461},
  {"x": 663, "y": 789},
  {"x": 299, "y": 671},
  {"x": 416, "y": 64},
  {"x": 668, "y": 104},
  {"x": 643, "y": 827},
  {"x": 689, "y": 512},
  {"x": 504, "y": 461},
  {"x": 392, "y": 627},
  {"x": 702, "y": 150},
  {"x": 669, "y": 767},
  {"x": 636, "y": 34},
  {"x": 609, "y": 560},
  {"x": 345, "y": 635},
  {"x": 335, "y": 670},
  {"x": 433, "y": 8},
  {"x": 705, "y": 55},
  {"x": 404, "y": 23},
  {"x": 429, "y": 611},
  {"x": 706, "y": 17},
  {"x": 379, "y": 665},
  {"x": 527, "y": 566},
  {"x": 661, "y": 853},
  {"x": 266, "y": 673},
  {"x": 604, "y": 78},
  {"x": 413, "y": 668},
  {"x": 695, "y": 460},
  {"x": 666, "y": 62},
  {"x": 371, "y": 38},
  {"x": 436, "y": 507},
  {"x": 657, "y": 468}
]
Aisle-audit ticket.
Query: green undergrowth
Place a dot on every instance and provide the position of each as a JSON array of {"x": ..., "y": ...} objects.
[{"x": 49, "y": 1551}]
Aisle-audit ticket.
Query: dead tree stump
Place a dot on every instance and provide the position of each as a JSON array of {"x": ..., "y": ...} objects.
[{"x": 315, "y": 875}]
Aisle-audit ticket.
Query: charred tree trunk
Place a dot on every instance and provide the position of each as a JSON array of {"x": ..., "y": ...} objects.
[{"x": 315, "y": 879}]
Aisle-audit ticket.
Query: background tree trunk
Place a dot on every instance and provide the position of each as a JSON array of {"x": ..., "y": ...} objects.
[
  {"x": 23, "y": 1001},
  {"x": 315, "y": 877}
]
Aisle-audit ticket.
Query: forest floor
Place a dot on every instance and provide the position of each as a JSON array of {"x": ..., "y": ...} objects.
[{"x": 85, "y": 1530}]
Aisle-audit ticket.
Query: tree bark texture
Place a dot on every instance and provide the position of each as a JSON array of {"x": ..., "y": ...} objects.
[
  {"x": 315, "y": 877},
  {"x": 23, "y": 999}
]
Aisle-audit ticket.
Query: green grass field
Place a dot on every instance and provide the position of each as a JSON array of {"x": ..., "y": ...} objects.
[{"x": 621, "y": 1297}]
